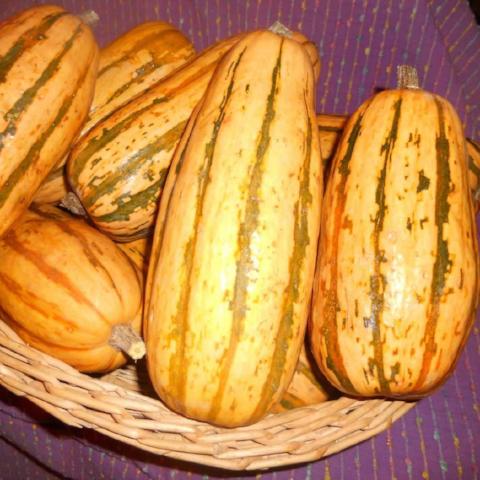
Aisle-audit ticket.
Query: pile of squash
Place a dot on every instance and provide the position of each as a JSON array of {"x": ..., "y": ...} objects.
[{"x": 200, "y": 222}]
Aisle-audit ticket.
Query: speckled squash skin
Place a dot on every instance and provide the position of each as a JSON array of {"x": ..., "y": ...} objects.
[
  {"x": 83, "y": 286},
  {"x": 397, "y": 274},
  {"x": 229, "y": 285},
  {"x": 128, "y": 66},
  {"x": 118, "y": 169},
  {"x": 48, "y": 67},
  {"x": 330, "y": 128}
]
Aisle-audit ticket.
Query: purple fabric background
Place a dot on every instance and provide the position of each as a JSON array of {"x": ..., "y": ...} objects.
[{"x": 360, "y": 43}]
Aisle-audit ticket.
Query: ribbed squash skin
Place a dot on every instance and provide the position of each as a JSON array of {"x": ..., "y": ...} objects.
[
  {"x": 119, "y": 168},
  {"x": 232, "y": 262},
  {"x": 63, "y": 285},
  {"x": 48, "y": 64},
  {"x": 397, "y": 273},
  {"x": 330, "y": 128},
  {"x": 306, "y": 388},
  {"x": 128, "y": 66},
  {"x": 138, "y": 252}
]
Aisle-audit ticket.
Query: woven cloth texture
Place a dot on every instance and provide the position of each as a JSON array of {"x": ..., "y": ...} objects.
[{"x": 360, "y": 43}]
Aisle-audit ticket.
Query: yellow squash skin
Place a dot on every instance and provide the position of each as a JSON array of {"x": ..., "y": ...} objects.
[
  {"x": 134, "y": 62},
  {"x": 233, "y": 256},
  {"x": 64, "y": 285},
  {"x": 330, "y": 128},
  {"x": 306, "y": 388},
  {"x": 397, "y": 271},
  {"x": 48, "y": 64},
  {"x": 128, "y": 66},
  {"x": 119, "y": 168}
]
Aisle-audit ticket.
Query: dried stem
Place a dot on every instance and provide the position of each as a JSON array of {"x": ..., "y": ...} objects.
[
  {"x": 72, "y": 203},
  {"x": 125, "y": 339},
  {"x": 407, "y": 77},
  {"x": 89, "y": 17},
  {"x": 280, "y": 29}
]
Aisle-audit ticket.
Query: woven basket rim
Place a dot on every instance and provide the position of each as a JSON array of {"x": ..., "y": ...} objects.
[{"x": 111, "y": 406}]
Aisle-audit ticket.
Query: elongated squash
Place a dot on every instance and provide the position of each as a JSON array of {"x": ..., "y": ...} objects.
[
  {"x": 233, "y": 256},
  {"x": 308, "y": 387},
  {"x": 128, "y": 66},
  {"x": 48, "y": 64},
  {"x": 397, "y": 274},
  {"x": 330, "y": 128},
  {"x": 119, "y": 168},
  {"x": 67, "y": 290}
]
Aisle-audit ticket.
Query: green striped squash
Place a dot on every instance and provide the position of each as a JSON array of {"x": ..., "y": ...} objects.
[
  {"x": 232, "y": 263},
  {"x": 128, "y": 66},
  {"x": 48, "y": 64},
  {"x": 397, "y": 274},
  {"x": 330, "y": 128},
  {"x": 119, "y": 168},
  {"x": 307, "y": 387}
]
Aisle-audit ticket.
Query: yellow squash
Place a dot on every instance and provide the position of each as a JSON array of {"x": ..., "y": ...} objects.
[
  {"x": 397, "y": 273},
  {"x": 48, "y": 64},
  {"x": 233, "y": 256}
]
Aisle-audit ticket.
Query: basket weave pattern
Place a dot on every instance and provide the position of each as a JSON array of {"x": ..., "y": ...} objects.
[{"x": 122, "y": 406}]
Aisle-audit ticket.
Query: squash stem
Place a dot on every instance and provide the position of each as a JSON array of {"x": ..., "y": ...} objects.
[
  {"x": 89, "y": 17},
  {"x": 280, "y": 29},
  {"x": 125, "y": 339},
  {"x": 407, "y": 77},
  {"x": 72, "y": 203}
]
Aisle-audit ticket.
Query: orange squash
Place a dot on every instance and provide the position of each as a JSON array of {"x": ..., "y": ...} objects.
[{"x": 67, "y": 290}]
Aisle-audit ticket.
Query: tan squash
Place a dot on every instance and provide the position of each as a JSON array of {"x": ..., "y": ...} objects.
[
  {"x": 48, "y": 64},
  {"x": 397, "y": 277},
  {"x": 232, "y": 261},
  {"x": 67, "y": 290}
]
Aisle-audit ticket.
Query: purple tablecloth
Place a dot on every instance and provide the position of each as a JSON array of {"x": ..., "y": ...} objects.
[{"x": 360, "y": 43}]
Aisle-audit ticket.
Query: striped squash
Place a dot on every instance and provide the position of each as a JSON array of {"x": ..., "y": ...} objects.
[
  {"x": 233, "y": 255},
  {"x": 330, "y": 128},
  {"x": 307, "y": 387},
  {"x": 397, "y": 278},
  {"x": 48, "y": 64},
  {"x": 133, "y": 63},
  {"x": 138, "y": 252},
  {"x": 67, "y": 290},
  {"x": 128, "y": 66},
  {"x": 119, "y": 168},
  {"x": 473, "y": 150}
]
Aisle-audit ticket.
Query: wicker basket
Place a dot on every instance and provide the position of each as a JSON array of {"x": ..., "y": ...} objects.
[{"x": 122, "y": 405}]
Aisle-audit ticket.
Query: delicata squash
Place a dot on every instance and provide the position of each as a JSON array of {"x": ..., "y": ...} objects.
[
  {"x": 397, "y": 275},
  {"x": 48, "y": 65},
  {"x": 233, "y": 255}
]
